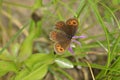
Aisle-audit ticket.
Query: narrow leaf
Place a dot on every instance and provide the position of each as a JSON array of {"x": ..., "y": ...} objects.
[{"x": 64, "y": 63}]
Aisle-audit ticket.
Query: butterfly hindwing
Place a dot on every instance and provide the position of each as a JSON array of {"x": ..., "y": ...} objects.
[
  {"x": 61, "y": 26},
  {"x": 72, "y": 26},
  {"x": 60, "y": 47}
]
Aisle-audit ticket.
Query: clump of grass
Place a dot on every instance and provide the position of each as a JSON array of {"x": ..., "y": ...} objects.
[{"x": 28, "y": 53}]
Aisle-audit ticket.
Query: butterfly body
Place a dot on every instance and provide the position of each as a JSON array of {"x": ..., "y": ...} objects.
[{"x": 63, "y": 33}]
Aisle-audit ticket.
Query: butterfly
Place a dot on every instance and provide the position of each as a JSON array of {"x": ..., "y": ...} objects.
[{"x": 63, "y": 33}]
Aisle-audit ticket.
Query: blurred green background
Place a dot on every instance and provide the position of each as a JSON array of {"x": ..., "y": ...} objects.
[{"x": 25, "y": 26}]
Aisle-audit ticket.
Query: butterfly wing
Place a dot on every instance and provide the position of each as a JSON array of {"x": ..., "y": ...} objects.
[
  {"x": 60, "y": 47},
  {"x": 71, "y": 26},
  {"x": 61, "y": 40},
  {"x": 58, "y": 36},
  {"x": 63, "y": 34},
  {"x": 61, "y": 26}
]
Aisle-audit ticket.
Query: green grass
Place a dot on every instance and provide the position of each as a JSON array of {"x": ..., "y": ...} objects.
[{"x": 28, "y": 53}]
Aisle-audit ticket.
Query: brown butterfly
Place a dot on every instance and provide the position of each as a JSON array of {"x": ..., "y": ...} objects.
[{"x": 63, "y": 33}]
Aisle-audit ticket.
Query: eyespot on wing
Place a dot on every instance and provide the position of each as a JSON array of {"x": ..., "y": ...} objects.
[
  {"x": 58, "y": 48},
  {"x": 72, "y": 22},
  {"x": 60, "y": 25}
]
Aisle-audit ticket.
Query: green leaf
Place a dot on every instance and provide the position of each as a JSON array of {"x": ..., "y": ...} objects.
[
  {"x": 21, "y": 74},
  {"x": 6, "y": 67},
  {"x": 13, "y": 38},
  {"x": 1, "y": 1},
  {"x": 38, "y": 73},
  {"x": 38, "y": 3},
  {"x": 5, "y": 56},
  {"x": 64, "y": 63},
  {"x": 116, "y": 64},
  {"x": 14, "y": 49},
  {"x": 38, "y": 59},
  {"x": 26, "y": 47},
  {"x": 2, "y": 73},
  {"x": 36, "y": 27},
  {"x": 116, "y": 2}
]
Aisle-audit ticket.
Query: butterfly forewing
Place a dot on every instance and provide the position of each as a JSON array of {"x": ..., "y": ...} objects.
[
  {"x": 72, "y": 26},
  {"x": 61, "y": 26},
  {"x": 58, "y": 36}
]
